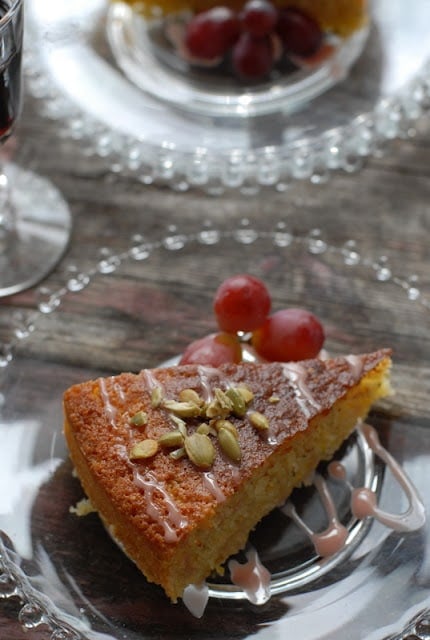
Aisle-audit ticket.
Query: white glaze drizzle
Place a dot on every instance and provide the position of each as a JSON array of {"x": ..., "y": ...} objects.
[
  {"x": 337, "y": 470},
  {"x": 121, "y": 451},
  {"x": 212, "y": 486},
  {"x": 108, "y": 407},
  {"x": 120, "y": 391},
  {"x": 296, "y": 374},
  {"x": 174, "y": 519},
  {"x": 235, "y": 472},
  {"x": 171, "y": 521},
  {"x": 333, "y": 538},
  {"x": 207, "y": 375},
  {"x": 355, "y": 365},
  {"x": 364, "y": 501},
  {"x": 195, "y": 598},
  {"x": 252, "y": 577},
  {"x": 150, "y": 380}
]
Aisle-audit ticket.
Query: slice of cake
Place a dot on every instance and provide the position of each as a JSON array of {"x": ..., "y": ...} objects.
[{"x": 181, "y": 463}]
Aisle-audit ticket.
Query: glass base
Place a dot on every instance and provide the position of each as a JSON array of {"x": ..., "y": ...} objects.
[
  {"x": 145, "y": 56},
  {"x": 41, "y": 235}
]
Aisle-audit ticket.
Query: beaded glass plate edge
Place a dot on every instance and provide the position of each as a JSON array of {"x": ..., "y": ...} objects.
[{"x": 314, "y": 242}]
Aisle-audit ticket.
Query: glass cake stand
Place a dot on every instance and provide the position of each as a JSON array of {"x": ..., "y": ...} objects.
[
  {"x": 92, "y": 70},
  {"x": 72, "y": 581}
]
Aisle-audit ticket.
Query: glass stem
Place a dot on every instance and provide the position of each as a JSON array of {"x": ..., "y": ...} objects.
[{"x": 7, "y": 212}]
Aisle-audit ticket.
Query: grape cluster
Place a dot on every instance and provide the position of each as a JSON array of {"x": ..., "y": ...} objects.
[
  {"x": 242, "y": 305},
  {"x": 255, "y": 38}
]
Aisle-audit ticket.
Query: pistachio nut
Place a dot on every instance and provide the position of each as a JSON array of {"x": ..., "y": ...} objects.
[
  {"x": 143, "y": 449},
  {"x": 222, "y": 423},
  {"x": 171, "y": 439},
  {"x": 237, "y": 400},
  {"x": 259, "y": 421},
  {"x": 200, "y": 450},
  {"x": 229, "y": 444},
  {"x": 182, "y": 409},
  {"x": 190, "y": 395},
  {"x": 246, "y": 393},
  {"x": 139, "y": 419},
  {"x": 156, "y": 397}
]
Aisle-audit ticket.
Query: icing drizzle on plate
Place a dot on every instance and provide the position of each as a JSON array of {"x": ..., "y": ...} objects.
[
  {"x": 253, "y": 577},
  {"x": 364, "y": 501},
  {"x": 332, "y": 540}
]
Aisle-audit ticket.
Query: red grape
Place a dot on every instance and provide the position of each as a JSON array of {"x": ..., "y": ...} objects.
[
  {"x": 214, "y": 350},
  {"x": 259, "y": 17},
  {"x": 241, "y": 303},
  {"x": 289, "y": 335},
  {"x": 301, "y": 35},
  {"x": 252, "y": 57},
  {"x": 211, "y": 33}
]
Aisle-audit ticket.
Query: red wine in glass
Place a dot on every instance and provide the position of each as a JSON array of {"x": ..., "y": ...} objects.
[
  {"x": 34, "y": 218},
  {"x": 10, "y": 78}
]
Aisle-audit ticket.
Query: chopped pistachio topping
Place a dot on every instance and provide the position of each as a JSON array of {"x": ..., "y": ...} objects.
[
  {"x": 223, "y": 400},
  {"x": 156, "y": 397},
  {"x": 222, "y": 423},
  {"x": 259, "y": 421},
  {"x": 183, "y": 429},
  {"x": 171, "y": 439},
  {"x": 139, "y": 419},
  {"x": 229, "y": 444},
  {"x": 274, "y": 399},
  {"x": 237, "y": 400},
  {"x": 198, "y": 446},
  {"x": 177, "y": 454},
  {"x": 205, "y": 428},
  {"x": 144, "y": 449},
  {"x": 182, "y": 409},
  {"x": 200, "y": 450},
  {"x": 190, "y": 395},
  {"x": 220, "y": 406},
  {"x": 181, "y": 424},
  {"x": 246, "y": 393}
]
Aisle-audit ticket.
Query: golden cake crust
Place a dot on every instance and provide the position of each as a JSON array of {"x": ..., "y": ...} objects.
[{"x": 166, "y": 512}]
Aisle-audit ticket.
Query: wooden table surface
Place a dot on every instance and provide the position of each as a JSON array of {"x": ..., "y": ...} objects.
[{"x": 385, "y": 208}]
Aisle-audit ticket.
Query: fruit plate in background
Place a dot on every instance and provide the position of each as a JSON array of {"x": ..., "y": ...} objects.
[
  {"x": 73, "y": 582},
  {"x": 73, "y": 75},
  {"x": 147, "y": 51}
]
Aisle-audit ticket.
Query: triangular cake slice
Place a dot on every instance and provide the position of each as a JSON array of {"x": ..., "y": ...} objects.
[{"x": 179, "y": 503}]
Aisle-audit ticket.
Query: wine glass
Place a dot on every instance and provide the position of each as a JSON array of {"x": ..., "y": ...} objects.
[{"x": 34, "y": 218}]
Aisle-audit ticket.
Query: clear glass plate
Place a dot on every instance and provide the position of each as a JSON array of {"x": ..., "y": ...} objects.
[
  {"x": 73, "y": 74},
  {"x": 69, "y": 575}
]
